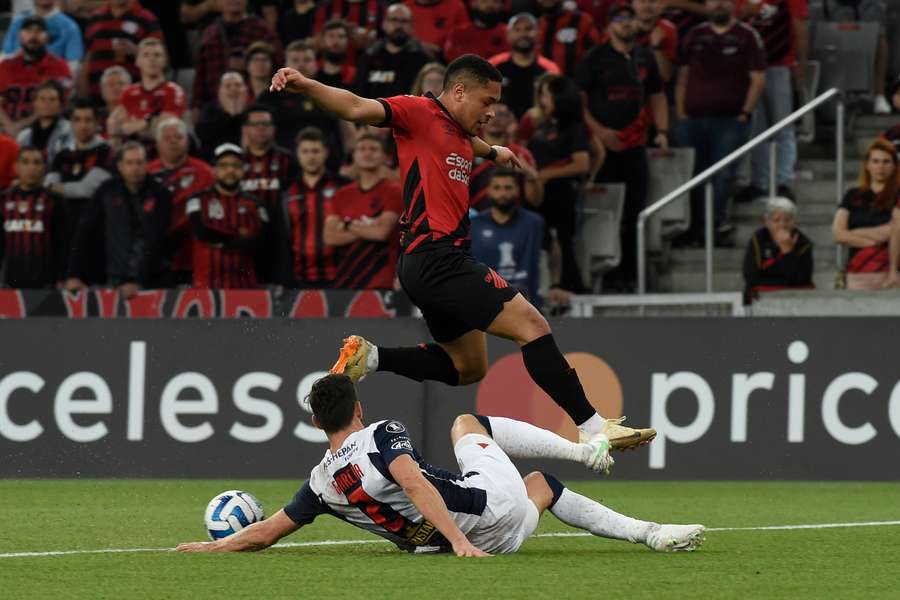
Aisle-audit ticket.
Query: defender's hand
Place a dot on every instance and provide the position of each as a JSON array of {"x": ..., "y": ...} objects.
[
  {"x": 465, "y": 548},
  {"x": 289, "y": 80}
]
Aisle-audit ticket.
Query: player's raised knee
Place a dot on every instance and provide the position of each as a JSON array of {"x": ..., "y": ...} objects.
[{"x": 465, "y": 424}]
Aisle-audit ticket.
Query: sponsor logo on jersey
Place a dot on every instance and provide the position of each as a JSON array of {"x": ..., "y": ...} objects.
[
  {"x": 461, "y": 170},
  {"x": 23, "y": 226},
  {"x": 402, "y": 445},
  {"x": 395, "y": 427}
]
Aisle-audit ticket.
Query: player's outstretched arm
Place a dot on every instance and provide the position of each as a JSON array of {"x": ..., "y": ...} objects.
[
  {"x": 342, "y": 103},
  {"x": 407, "y": 474},
  {"x": 258, "y": 536}
]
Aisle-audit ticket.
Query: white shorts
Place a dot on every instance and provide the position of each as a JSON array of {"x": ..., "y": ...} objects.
[{"x": 510, "y": 516}]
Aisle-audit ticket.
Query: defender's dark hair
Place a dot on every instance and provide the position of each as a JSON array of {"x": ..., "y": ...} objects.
[
  {"x": 309, "y": 134},
  {"x": 567, "y": 104},
  {"x": 471, "y": 66},
  {"x": 333, "y": 400}
]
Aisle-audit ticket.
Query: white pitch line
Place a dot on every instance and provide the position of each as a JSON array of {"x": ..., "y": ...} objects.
[{"x": 560, "y": 534}]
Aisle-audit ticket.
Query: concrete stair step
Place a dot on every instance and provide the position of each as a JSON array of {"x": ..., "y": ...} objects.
[
  {"x": 827, "y": 168},
  {"x": 876, "y": 122},
  {"x": 730, "y": 281},
  {"x": 730, "y": 259},
  {"x": 819, "y": 234},
  {"x": 812, "y": 208}
]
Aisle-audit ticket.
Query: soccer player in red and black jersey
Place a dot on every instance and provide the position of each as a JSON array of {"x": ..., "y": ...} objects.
[
  {"x": 227, "y": 224},
  {"x": 460, "y": 299},
  {"x": 305, "y": 260},
  {"x": 184, "y": 175},
  {"x": 152, "y": 98},
  {"x": 22, "y": 74},
  {"x": 565, "y": 34},
  {"x": 362, "y": 222},
  {"x": 32, "y": 252}
]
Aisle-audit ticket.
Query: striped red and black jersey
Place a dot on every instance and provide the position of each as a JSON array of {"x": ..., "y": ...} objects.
[
  {"x": 33, "y": 248},
  {"x": 774, "y": 20},
  {"x": 861, "y": 206},
  {"x": 565, "y": 36},
  {"x": 367, "y": 14},
  {"x": 225, "y": 229},
  {"x": 267, "y": 175},
  {"x": 100, "y": 31},
  {"x": 183, "y": 181},
  {"x": 435, "y": 155},
  {"x": 483, "y": 170},
  {"x": 19, "y": 81},
  {"x": 301, "y": 220},
  {"x": 366, "y": 264}
]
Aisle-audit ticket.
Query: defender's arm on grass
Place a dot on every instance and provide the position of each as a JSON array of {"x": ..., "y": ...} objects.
[
  {"x": 350, "y": 107},
  {"x": 428, "y": 501},
  {"x": 258, "y": 536}
]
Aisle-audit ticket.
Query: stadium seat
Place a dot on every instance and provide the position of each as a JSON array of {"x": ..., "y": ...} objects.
[
  {"x": 599, "y": 247},
  {"x": 846, "y": 52},
  {"x": 667, "y": 172}
]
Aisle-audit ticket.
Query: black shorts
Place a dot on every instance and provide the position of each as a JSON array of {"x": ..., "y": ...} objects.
[{"x": 455, "y": 293}]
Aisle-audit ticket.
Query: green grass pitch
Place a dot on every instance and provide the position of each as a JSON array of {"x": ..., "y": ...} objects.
[{"x": 851, "y": 562}]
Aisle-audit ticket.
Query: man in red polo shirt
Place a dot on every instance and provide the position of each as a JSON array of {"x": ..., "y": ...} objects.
[
  {"x": 362, "y": 222},
  {"x": 22, "y": 73},
  {"x": 184, "y": 175},
  {"x": 657, "y": 34}
]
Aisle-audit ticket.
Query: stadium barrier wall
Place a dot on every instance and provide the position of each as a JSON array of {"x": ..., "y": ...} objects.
[{"x": 732, "y": 398}]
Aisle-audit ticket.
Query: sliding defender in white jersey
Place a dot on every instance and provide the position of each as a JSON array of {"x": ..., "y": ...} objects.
[{"x": 372, "y": 477}]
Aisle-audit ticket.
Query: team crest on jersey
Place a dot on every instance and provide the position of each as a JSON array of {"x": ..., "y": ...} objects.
[
  {"x": 242, "y": 210},
  {"x": 76, "y": 169},
  {"x": 23, "y": 206},
  {"x": 566, "y": 35},
  {"x": 215, "y": 210},
  {"x": 394, "y": 427},
  {"x": 186, "y": 181},
  {"x": 273, "y": 166},
  {"x": 39, "y": 207},
  {"x": 130, "y": 27},
  {"x": 328, "y": 192}
]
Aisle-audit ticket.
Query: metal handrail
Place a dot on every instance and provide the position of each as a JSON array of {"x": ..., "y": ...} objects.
[{"x": 706, "y": 175}]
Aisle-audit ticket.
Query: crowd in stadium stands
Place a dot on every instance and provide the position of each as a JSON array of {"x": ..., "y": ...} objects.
[{"x": 141, "y": 146}]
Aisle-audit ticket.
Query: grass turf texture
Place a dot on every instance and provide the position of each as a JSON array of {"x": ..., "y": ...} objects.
[{"x": 69, "y": 515}]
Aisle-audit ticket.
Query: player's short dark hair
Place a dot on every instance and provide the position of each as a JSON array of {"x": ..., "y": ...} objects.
[
  {"x": 371, "y": 137},
  {"x": 30, "y": 148},
  {"x": 309, "y": 134},
  {"x": 81, "y": 103},
  {"x": 333, "y": 402},
  {"x": 255, "y": 108},
  {"x": 472, "y": 67}
]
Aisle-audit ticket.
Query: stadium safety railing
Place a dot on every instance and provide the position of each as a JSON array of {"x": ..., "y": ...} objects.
[{"x": 706, "y": 178}]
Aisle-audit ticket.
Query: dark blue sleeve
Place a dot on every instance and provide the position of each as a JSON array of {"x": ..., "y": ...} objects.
[
  {"x": 392, "y": 440},
  {"x": 305, "y": 506}
]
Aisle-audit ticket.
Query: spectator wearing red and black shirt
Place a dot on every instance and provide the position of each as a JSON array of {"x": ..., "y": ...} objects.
[
  {"x": 659, "y": 35},
  {"x": 390, "y": 66},
  {"x": 863, "y": 220},
  {"x": 566, "y": 35},
  {"x": 364, "y": 17},
  {"x": 624, "y": 94},
  {"x": 720, "y": 79},
  {"x": 227, "y": 224},
  {"x": 496, "y": 133},
  {"x": 22, "y": 74},
  {"x": 306, "y": 261},
  {"x": 362, "y": 222},
  {"x": 685, "y": 15},
  {"x": 337, "y": 65},
  {"x": 222, "y": 48},
  {"x": 131, "y": 213},
  {"x": 522, "y": 65},
  {"x": 145, "y": 103},
  {"x": 783, "y": 26},
  {"x": 433, "y": 20},
  {"x": 111, "y": 37},
  {"x": 32, "y": 251},
  {"x": 184, "y": 176},
  {"x": 485, "y": 35}
]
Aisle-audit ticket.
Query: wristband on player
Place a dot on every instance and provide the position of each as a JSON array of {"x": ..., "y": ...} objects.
[{"x": 492, "y": 155}]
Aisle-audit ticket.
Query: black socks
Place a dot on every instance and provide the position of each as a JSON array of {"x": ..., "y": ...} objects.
[
  {"x": 425, "y": 361},
  {"x": 549, "y": 369}
]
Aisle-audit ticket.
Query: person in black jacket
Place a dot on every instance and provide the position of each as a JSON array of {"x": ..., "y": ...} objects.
[
  {"x": 32, "y": 227},
  {"x": 778, "y": 255},
  {"x": 132, "y": 211}
]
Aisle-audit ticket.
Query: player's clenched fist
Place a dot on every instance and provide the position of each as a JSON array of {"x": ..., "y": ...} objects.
[{"x": 289, "y": 80}]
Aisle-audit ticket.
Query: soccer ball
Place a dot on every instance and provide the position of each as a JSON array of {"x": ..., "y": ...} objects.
[{"x": 230, "y": 512}]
